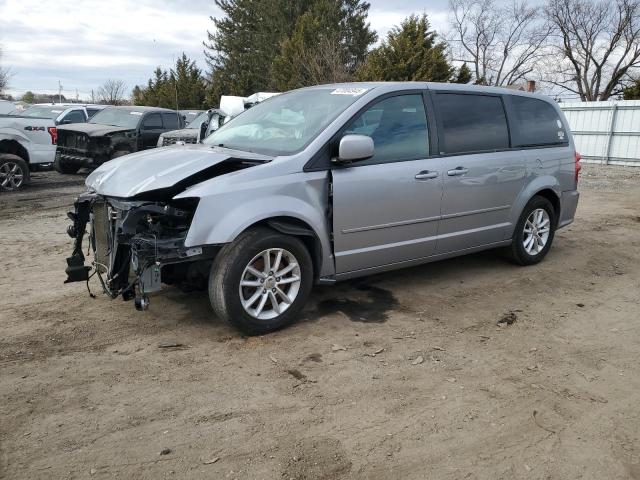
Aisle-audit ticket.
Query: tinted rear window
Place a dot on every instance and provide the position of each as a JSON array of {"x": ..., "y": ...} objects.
[
  {"x": 472, "y": 123},
  {"x": 538, "y": 123},
  {"x": 171, "y": 121}
]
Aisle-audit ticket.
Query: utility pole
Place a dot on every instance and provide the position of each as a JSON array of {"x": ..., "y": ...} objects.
[{"x": 59, "y": 92}]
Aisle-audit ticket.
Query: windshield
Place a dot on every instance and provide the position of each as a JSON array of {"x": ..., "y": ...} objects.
[
  {"x": 286, "y": 123},
  {"x": 195, "y": 123},
  {"x": 117, "y": 117},
  {"x": 43, "y": 111}
]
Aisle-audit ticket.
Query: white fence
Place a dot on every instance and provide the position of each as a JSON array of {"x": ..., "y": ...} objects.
[{"x": 606, "y": 132}]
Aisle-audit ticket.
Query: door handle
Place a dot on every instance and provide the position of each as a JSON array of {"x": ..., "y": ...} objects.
[
  {"x": 425, "y": 175},
  {"x": 457, "y": 171}
]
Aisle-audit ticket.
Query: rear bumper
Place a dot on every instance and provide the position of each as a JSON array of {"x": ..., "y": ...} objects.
[{"x": 568, "y": 206}]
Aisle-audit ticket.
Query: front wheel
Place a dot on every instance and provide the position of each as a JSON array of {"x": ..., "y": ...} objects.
[
  {"x": 534, "y": 232},
  {"x": 63, "y": 167},
  {"x": 260, "y": 282}
]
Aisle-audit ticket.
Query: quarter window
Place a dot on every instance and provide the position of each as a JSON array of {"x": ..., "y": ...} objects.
[
  {"x": 398, "y": 127},
  {"x": 472, "y": 123},
  {"x": 538, "y": 123},
  {"x": 171, "y": 121}
]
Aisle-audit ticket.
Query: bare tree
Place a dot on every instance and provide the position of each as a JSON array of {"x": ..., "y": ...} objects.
[
  {"x": 503, "y": 44},
  {"x": 325, "y": 63},
  {"x": 112, "y": 92},
  {"x": 4, "y": 76},
  {"x": 597, "y": 43}
]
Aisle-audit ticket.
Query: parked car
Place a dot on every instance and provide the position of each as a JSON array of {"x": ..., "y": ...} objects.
[
  {"x": 28, "y": 139},
  {"x": 189, "y": 115},
  {"x": 199, "y": 128},
  {"x": 112, "y": 133},
  {"x": 330, "y": 183}
]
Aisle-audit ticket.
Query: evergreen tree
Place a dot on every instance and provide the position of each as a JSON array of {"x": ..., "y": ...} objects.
[
  {"x": 411, "y": 52},
  {"x": 183, "y": 85},
  {"x": 632, "y": 92},
  {"x": 243, "y": 49},
  {"x": 328, "y": 43},
  {"x": 463, "y": 75}
]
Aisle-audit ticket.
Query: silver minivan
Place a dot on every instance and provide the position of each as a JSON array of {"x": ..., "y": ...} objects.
[{"x": 328, "y": 183}]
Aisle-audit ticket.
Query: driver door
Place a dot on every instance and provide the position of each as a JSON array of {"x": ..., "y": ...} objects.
[{"x": 386, "y": 209}]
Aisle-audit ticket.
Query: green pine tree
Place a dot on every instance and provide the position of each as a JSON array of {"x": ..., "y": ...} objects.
[
  {"x": 463, "y": 75},
  {"x": 632, "y": 92},
  {"x": 327, "y": 44},
  {"x": 183, "y": 86},
  {"x": 252, "y": 33},
  {"x": 411, "y": 52}
]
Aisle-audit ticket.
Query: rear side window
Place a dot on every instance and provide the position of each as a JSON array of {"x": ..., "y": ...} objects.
[
  {"x": 152, "y": 121},
  {"x": 537, "y": 122},
  {"x": 171, "y": 121},
  {"x": 398, "y": 127},
  {"x": 471, "y": 123}
]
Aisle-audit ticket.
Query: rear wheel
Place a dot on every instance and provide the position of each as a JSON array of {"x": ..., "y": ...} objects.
[
  {"x": 14, "y": 172},
  {"x": 534, "y": 232},
  {"x": 260, "y": 282}
]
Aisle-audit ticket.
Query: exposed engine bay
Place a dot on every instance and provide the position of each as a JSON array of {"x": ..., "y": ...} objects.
[{"x": 134, "y": 245}]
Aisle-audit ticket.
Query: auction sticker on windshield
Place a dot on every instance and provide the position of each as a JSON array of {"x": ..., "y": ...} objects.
[
  {"x": 349, "y": 91},
  {"x": 135, "y": 113}
]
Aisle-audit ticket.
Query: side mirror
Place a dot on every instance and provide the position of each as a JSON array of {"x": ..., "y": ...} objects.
[
  {"x": 65, "y": 122},
  {"x": 354, "y": 147}
]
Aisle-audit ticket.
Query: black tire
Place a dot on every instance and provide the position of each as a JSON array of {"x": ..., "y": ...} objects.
[
  {"x": 14, "y": 172},
  {"x": 229, "y": 266},
  {"x": 61, "y": 166},
  {"x": 517, "y": 251},
  {"x": 119, "y": 153}
]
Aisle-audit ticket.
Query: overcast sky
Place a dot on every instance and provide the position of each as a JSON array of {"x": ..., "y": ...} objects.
[{"x": 81, "y": 43}]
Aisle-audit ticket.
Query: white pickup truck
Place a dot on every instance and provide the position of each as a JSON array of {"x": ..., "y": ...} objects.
[{"x": 28, "y": 140}]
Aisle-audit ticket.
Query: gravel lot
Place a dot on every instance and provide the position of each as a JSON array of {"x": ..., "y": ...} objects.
[{"x": 405, "y": 375}]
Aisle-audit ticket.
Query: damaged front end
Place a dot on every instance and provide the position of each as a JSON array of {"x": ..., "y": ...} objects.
[{"x": 134, "y": 244}]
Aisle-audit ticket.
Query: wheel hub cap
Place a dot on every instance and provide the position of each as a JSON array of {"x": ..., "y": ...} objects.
[
  {"x": 270, "y": 283},
  {"x": 536, "y": 231},
  {"x": 11, "y": 176}
]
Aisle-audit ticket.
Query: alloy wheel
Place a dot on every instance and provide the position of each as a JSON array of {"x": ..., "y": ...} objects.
[
  {"x": 536, "y": 231},
  {"x": 11, "y": 176},
  {"x": 270, "y": 283}
]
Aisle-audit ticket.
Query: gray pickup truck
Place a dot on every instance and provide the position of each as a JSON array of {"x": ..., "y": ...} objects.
[{"x": 28, "y": 141}]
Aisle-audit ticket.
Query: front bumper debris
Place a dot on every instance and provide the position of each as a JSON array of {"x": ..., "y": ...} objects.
[{"x": 130, "y": 241}]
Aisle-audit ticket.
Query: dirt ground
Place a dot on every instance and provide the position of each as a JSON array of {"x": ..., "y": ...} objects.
[{"x": 405, "y": 375}]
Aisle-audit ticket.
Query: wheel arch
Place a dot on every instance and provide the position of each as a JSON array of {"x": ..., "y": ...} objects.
[
  {"x": 15, "y": 148},
  {"x": 300, "y": 229},
  {"x": 545, "y": 186}
]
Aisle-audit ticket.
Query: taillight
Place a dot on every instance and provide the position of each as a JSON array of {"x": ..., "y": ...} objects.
[
  {"x": 53, "y": 131},
  {"x": 578, "y": 165}
]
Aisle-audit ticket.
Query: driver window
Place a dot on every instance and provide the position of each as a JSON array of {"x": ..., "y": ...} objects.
[{"x": 398, "y": 127}]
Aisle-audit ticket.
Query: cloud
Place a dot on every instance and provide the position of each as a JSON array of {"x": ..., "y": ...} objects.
[{"x": 82, "y": 43}]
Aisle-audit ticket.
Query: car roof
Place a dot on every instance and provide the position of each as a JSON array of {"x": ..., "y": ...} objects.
[
  {"x": 384, "y": 87},
  {"x": 136, "y": 108}
]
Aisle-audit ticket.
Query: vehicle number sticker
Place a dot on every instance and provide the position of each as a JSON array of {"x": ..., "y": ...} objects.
[
  {"x": 355, "y": 91},
  {"x": 135, "y": 113}
]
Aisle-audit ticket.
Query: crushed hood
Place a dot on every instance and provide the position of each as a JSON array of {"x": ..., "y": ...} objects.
[
  {"x": 92, "y": 129},
  {"x": 185, "y": 132},
  {"x": 164, "y": 168}
]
